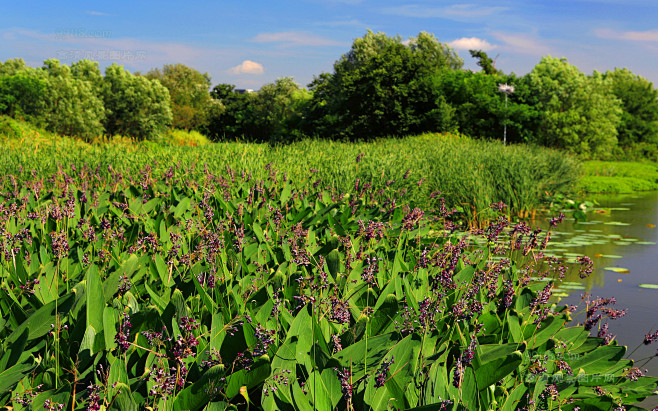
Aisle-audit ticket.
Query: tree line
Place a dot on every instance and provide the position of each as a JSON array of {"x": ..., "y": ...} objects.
[{"x": 383, "y": 86}]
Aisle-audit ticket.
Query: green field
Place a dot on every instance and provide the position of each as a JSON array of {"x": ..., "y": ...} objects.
[
  {"x": 618, "y": 177},
  {"x": 470, "y": 174},
  {"x": 317, "y": 275}
]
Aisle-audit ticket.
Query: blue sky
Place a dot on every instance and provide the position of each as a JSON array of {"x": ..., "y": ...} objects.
[{"x": 250, "y": 43}]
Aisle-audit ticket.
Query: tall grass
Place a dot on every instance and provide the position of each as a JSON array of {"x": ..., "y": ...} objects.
[{"x": 469, "y": 174}]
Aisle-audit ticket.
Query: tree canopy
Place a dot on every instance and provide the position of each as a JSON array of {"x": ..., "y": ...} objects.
[
  {"x": 382, "y": 86},
  {"x": 379, "y": 86},
  {"x": 188, "y": 89},
  {"x": 578, "y": 113}
]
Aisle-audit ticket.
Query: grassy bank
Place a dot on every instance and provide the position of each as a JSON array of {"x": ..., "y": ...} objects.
[
  {"x": 618, "y": 177},
  {"x": 469, "y": 174}
]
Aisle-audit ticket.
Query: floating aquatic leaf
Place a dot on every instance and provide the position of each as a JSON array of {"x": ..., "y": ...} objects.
[
  {"x": 646, "y": 243},
  {"x": 611, "y": 256},
  {"x": 541, "y": 279},
  {"x": 616, "y": 223},
  {"x": 561, "y": 295},
  {"x": 618, "y": 270},
  {"x": 653, "y": 286},
  {"x": 573, "y": 287}
]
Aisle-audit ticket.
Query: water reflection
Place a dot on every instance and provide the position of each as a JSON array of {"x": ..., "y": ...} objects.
[{"x": 623, "y": 236}]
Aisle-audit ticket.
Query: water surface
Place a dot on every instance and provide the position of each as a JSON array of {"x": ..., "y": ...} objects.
[{"x": 622, "y": 235}]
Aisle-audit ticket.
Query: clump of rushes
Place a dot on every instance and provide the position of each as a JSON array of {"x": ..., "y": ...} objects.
[{"x": 194, "y": 285}]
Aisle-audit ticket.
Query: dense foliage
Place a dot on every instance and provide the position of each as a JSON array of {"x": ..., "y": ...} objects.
[
  {"x": 383, "y": 86},
  {"x": 577, "y": 113},
  {"x": 469, "y": 174},
  {"x": 380, "y": 88},
  {"x": 188, "y": 89},
  {"x": 187, "y": 287},
  {"x": 80, "y": 101}
]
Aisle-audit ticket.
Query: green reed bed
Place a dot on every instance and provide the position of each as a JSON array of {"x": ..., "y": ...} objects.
[
  {"x": 618, "y": 177},
  {"x": 469, "y": 174},
  {"x": 178, "y": 288}
]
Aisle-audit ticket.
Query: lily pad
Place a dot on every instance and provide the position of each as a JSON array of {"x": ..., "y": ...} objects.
[
  {"x": 572, "y": 287},
  {"x": 653, "y": 286},
  {"x": 618, "y": 270}
]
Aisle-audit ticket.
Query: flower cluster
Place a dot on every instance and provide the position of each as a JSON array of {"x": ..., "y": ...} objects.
[
  {"x": 123, "y": 334},
  {"x": 382, "y": 372}
]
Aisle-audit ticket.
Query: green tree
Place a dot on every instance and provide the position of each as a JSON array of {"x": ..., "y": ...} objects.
[
  {"x": 639, "y": 102},
  {"x": 135, "y": 106},
  {"x": 23, "y": 94},
  {"x": 73, "y": 106},
  {"x": 12, "y": 66},
  {"x": 188, "y": 89},
  {"x": 479, "y": 106},
  {"x": 577, "y": 112},
  {"x": 380, "y": 87},
  {"x": 276, "y": 111},
  {"x": 227, "y": 114},
  {"x": 485, "y": 62},
  {"x": 89, "y": 71}
]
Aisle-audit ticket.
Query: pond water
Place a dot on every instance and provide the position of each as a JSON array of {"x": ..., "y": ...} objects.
[{"x": 621, "y": 238}]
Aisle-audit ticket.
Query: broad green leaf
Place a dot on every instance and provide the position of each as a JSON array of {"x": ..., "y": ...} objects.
[
  {"x": 95, "y": 298},
  {"x": 109, "y": 327},
  {"x": 12, "y": 375},
  {"x": 259, "y": 371},
  {"x": 163, "y": 271},
  {"x": 182, "y": 207},
  {"x": 323, "y": 389},
  {"x": 491, "y": 352},
  {"x": 124, "y": 400},
  {"x": 201, "y": 392},
  {"x": 383, "y": 316},
  {"x": 512, "y": 401},
  {"x": 599, "y": 360},
  {"x": 497, "y": 369},
  {"x": 39, "y": 323},
  {"x": 366, "y": 354},
  {"x": 14, "y": 350}
]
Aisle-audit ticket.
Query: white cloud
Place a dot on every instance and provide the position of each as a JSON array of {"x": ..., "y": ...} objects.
[
  {"x": 522, "y": 43},
  {"x": 456, "y": 11},
  {"x": 247, "y": 67},
  {"x": 98, "y": 13},
  {"x": 647, "y": 35},
  {"x": 138, "y": 54},
  {"x": 471, "y": 43},
  {"x": 295, "y": 38},
  {"x": 343, "y": 23}
]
